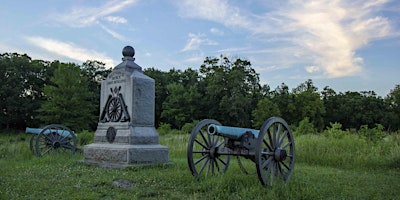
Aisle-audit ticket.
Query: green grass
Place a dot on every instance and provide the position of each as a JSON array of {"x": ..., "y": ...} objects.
[{"x": 326, "y": 168}]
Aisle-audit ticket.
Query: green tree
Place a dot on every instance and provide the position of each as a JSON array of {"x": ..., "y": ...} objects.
[
  {"x": 231, "y": 90},
  {"x": 189, "y": 80},
  {"x": 354, "y": 109},
  {"x": 21, "y": 82},
  {"x": 285, "y": 102},
  {"x": 308, "y": 104},
  {"x": 175, "y": 105},
  {"x": 161, "y": 81},
  {"x": 95, "y": 72},
  {"x": 393, "y": 102},
  {"x": 264, "y": 110},
  {"x": 68, "y": 100}
]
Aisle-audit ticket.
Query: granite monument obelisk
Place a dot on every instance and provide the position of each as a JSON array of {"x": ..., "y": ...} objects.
[{"x": 125, "y": 134}]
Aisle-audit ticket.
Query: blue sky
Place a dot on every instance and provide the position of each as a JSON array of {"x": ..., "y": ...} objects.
[{"x": 346, "y": 45}]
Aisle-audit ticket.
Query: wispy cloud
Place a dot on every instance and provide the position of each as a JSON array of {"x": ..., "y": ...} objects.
[
  {"x": 326, "y": 33},
  {"x": 89, "y": 16},
  {"x": 113, "y": 33},
  {"x": 216, "y": 31},
  {"x": 69, "y": 50},
  {"x": 214, "y": 10},
  {"x": 86, "y": 16},
  {"x": 116, "y": 19},
  {"x": 196, "y": 40}
]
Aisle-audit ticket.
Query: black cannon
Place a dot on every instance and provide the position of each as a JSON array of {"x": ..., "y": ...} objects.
[
  {"x": 51, "y": 139},
  {"x": 271, "y": 148}
]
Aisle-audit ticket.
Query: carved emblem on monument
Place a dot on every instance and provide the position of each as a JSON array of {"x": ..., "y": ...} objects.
[
  {"x": 111, "y": 133},
  {"x": 115, "y": 108}
]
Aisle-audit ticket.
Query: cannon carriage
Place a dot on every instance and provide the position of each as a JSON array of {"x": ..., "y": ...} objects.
[
  {"x": 271, "y": 148},
  {"x": 52, "y": 139}
]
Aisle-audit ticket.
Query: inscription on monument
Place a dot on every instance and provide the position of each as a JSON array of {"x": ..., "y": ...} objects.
[{"x": 116, "y": 77}]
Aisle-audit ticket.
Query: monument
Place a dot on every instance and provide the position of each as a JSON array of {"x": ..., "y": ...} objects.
[{"x": 125, "y": 134}]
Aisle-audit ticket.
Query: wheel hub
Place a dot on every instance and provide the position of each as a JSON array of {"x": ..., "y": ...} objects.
[
  {"x": 213, "y": 151},
  {"x": 56, "y": 144},
  {"x": 280, "y": 154}
]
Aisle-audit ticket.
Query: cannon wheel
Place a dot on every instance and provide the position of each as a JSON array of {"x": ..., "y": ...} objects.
[
  {"x": 32, "y": 145},
  {"x": 55, "y": 139},
  {"x": 202, "y": 152},
  {"x": 275, "y": 152}
]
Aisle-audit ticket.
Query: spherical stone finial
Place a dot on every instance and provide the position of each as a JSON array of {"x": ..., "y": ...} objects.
[{"x": 128, "y": 51}]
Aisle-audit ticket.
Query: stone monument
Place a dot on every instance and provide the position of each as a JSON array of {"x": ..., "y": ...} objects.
[{"x": 125, "y": 134}]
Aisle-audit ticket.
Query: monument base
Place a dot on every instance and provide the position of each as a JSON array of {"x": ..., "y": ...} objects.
[{"x": 119, "y": 156}]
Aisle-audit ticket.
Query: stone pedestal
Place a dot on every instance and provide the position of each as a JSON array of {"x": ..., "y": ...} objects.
[{"x": 125, "y": 134}]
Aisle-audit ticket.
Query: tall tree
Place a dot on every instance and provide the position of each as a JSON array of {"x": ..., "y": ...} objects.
[
  {"x": 393, "y": 101},
  {"x": 68, "y": 100},
  {"x": 308, "y": 104},
  {"x": 95, "y": 72},
  {"x": 282, "y": 97},
  {"x": 21, "y": 81},
  {"x": 264, "y": 110},
  {"x": 231, "y": 90}
]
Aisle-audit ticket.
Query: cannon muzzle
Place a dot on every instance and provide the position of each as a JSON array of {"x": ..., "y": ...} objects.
[{"x": 230, "y": 132}]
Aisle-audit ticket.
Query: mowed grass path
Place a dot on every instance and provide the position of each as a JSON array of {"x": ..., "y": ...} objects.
[{"x": 23, "y": 176}]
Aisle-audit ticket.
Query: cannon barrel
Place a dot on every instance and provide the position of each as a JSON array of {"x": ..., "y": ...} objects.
[
  {"x": 62, "y": 133},
  {"x": 230, "y": 132}
]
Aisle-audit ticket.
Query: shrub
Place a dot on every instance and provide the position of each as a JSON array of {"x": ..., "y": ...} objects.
[
  {"x": 335, "y": 131},
  {"x": 188, "y": 127},
  {"x": 164, "y": 129},
  {"x": 375, "y": 134},
  {"x": 85, "y": 137},
  {"x": 305, "y": 127}
]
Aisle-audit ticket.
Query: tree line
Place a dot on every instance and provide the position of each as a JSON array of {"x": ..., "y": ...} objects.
[{"x": 36, "y": 92}]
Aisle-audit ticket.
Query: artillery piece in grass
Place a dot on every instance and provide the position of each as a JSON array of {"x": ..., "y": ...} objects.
[
  {"x": 271, "y": 148},
  {"x": 52, "y": 139}
]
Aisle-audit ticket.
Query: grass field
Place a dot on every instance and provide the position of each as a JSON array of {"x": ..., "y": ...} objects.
[{"x": 349, "y": 167}]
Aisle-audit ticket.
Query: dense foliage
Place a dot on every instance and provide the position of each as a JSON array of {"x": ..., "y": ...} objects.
[{"x": 36, "y": 92}]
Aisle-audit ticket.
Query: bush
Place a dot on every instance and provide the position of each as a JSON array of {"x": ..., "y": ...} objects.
[
  {"x": 335, "y": 131},
  {"x": 188, "y": 127},
  {"x": 376, "y": 134},
  {"x": 85, "y": 137},
  {"x": 305, "y": 127},
  {"x": 164, "y": 129}
]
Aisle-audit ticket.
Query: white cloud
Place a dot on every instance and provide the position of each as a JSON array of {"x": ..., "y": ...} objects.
[
  {"x": 332, "y": 32},
  {"x": 116, "y": 19},
  {"x": 311, "y": 69},
  {"x": 113, "y": 33},
  {"x": 85, "y": 16},
  {"x": 324, "y": 33},
  {"x": 69, "y": 50},
  {"x": 214, "y": 10},
  {"x": 216, "y": 31},
  {"x": 196, "y": 40}
]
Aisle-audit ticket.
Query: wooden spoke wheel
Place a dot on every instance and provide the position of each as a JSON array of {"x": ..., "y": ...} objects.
[
  {"x": 202, "y": 153},
  {"x": 55, "y": 139},
  {"x": 32, "y": 142},
  {"x": 114, "y": 109},
  {"x": 275, "y": 152}
]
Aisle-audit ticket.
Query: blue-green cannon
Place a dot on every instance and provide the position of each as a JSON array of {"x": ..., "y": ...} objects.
[
  {"x": 52, "y": 138},
  {"x": 271, "y": 148}
]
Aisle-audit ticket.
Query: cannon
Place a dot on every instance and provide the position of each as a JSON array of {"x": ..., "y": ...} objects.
[
  {"x": 271, "y": 148},
  {"x": 52, "y": 139}
]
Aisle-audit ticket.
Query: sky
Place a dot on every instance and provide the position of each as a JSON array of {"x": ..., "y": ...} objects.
[{"x": 346, "y": 45}]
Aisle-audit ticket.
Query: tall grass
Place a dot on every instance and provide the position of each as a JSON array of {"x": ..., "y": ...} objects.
[
  {"x": 348, "y": 152},
  {"x": 349, "y": 167}
]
